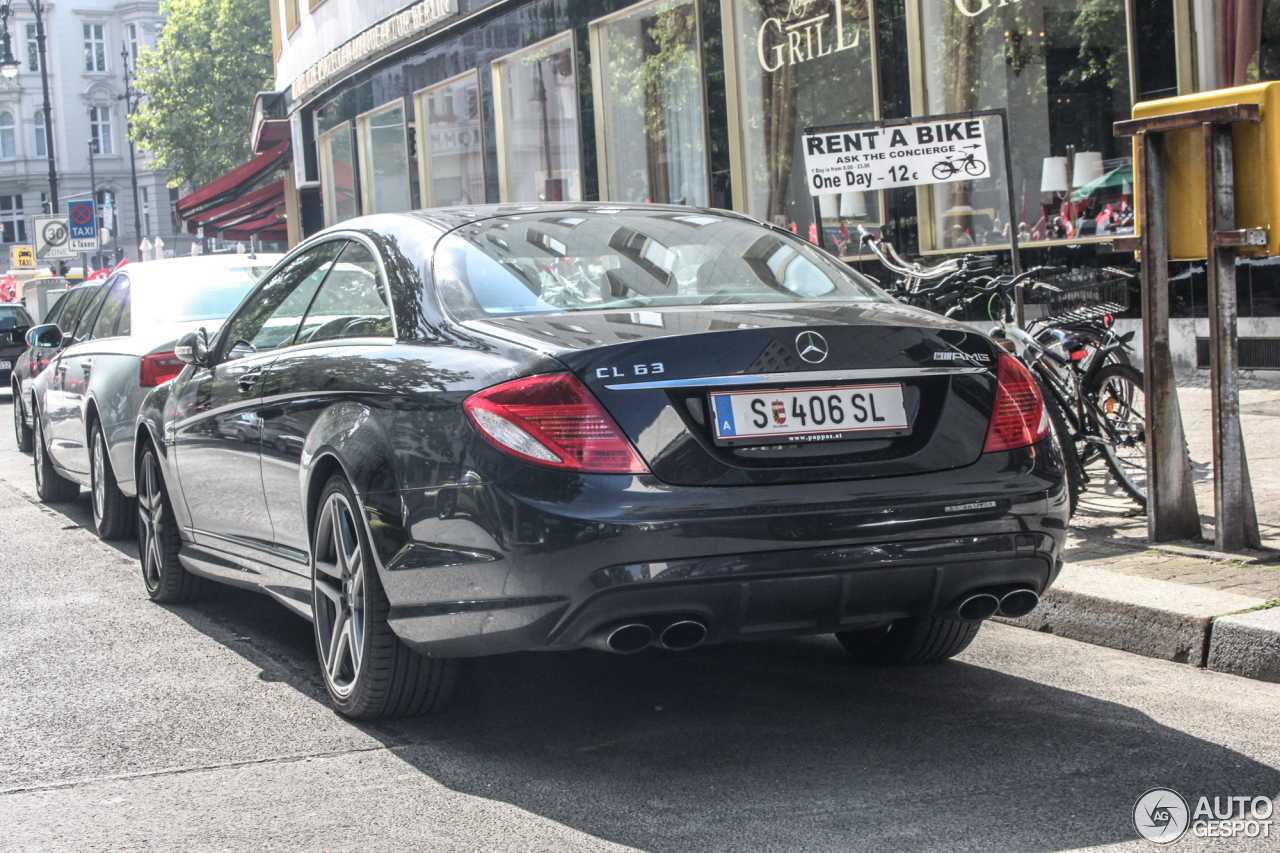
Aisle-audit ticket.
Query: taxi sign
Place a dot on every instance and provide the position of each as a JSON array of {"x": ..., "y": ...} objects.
[
  {"x": 84, "y": 226},
  {"x": 22, "y": 257}
]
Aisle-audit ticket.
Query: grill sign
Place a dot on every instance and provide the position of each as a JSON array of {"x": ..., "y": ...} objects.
[{"x": 902, "y": 156}]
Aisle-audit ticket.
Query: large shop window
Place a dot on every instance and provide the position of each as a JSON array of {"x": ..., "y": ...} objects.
[
  {"x": 536, "y": 104},
  {"x": 384, "y": 160},
  {"x": 649, "y": 110},
  {"x": 337, "y": 175},
  {"x": 451, "y": 141},
  {"x": 795, "y": 64},
  {"x": 1061, "y": 68}
]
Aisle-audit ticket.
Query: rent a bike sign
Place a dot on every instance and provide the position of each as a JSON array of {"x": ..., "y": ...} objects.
[{"x": 930, "y": 152}]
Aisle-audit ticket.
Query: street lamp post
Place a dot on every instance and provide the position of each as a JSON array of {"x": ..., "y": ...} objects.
[
  {"x": 130, "y": 98},
  {"x": 9, "y": 67},
  {"x": 93, "y": 195}
]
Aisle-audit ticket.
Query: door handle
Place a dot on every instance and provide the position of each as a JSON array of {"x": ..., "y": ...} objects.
[
  {"x": 248, "y": 380},
  {"x": 87, "y": 368}
]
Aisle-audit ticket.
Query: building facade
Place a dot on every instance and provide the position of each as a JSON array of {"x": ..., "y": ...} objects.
[
  {"x": 86, "y": 83},
  {"x": 395, "y": 105}
]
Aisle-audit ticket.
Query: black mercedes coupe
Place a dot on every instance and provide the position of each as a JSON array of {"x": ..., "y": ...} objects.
[{"x": 474, "y": 431}]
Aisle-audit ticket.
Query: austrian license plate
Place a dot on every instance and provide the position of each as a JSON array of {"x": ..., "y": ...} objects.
[
  {"x": 794, "y": 415},
  {"x": 6, "y": 365}
]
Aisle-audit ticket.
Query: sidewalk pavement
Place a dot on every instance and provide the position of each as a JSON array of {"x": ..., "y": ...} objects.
[{"x": 1180, "y": 601}]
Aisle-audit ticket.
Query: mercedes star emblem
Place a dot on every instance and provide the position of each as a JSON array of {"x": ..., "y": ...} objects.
[{"x": 811, "y": 346}]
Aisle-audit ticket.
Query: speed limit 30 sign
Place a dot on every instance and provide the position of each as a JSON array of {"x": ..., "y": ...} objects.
[{"x": 53, "y": 237}]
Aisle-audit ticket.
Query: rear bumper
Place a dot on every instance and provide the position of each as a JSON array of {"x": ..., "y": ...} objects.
[{"x": 531, "y": 564}]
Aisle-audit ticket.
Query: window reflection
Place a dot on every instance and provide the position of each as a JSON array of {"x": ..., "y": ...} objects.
[
  {"x": 632, "y": 261},
  {"x": 652, "y": 137},
  {"x": 451, "y": 142},
  {"x": 537, "y": 98},
  {"x": 1061, "y": 69},
  {"x": 337, "y": 175},
  {"x": 798, "y": 63},
  {"x": 385, "y": 155}
]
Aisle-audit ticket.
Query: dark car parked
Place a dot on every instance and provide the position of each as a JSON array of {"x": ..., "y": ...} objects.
[
  {"x": 32, "y": 360},
  {"x": 14, "y": 322},
  {"x": 473, "y": 431}
]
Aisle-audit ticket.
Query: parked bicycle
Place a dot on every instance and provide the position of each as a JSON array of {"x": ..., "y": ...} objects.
[{"x": 1093, "y": 393}]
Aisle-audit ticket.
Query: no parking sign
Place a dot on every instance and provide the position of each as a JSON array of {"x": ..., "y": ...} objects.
[{"x": 84, "y": 226}]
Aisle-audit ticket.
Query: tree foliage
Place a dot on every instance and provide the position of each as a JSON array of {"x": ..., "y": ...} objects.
[{"x": 212, "y": 58}]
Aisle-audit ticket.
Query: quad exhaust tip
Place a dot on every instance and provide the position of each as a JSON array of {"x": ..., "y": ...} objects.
[
  {"x": 1019, "y": 602},
  {"x": 625, "y": 639},
  {"x": 682, "y": 635},
  {"x": 977, "y": 607},
  {"x": 628, "y": 638}
]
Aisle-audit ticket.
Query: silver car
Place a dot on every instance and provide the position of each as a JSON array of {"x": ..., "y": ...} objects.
[{"x": 87, "y": 397}]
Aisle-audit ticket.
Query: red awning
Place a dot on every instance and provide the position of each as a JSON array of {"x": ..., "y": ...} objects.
[
  {"x": 251, "y": 205},
  {"x": 272, "y": 227},
  {"x": 233, "y": 185}
]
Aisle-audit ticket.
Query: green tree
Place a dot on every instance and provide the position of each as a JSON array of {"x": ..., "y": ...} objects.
[{"x": 210, "y": 61}]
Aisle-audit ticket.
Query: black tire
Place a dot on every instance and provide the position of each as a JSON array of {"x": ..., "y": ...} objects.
[
  {"x": 113, "y": 512},
  {"x": 910, "y": 641},
  {"x": 1070, "y": 458},
  {"x": 1114, "y": 390},
  {"x": 158, "y": 539},
  {"x": 384, "y": 678},
  {"x": 21, "y": 432},
  {"x": 51, "y": 486}
]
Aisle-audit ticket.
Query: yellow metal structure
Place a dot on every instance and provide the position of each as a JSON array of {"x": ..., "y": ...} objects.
[
  {"x": 1256, "y": 151},
  {"x": 22, "y": 256}
]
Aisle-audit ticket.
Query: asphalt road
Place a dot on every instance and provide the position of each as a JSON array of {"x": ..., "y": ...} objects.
[{"x": 130, "y": 726}]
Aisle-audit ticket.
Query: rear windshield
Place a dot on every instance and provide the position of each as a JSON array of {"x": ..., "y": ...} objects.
[
  {"x": 207, "y": 294},
  {"x": 15, "y": 313},
  {"x": 580, "y": 261}
]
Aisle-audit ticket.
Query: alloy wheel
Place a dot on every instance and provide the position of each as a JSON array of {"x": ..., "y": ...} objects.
[
  {"x": 151, "y": 521},
  {"x": 338, "y": 594},
  {"x": 99, "y": 489},
  {"x": 39, "y": 460},
  {"x": 18, "y": 424}
]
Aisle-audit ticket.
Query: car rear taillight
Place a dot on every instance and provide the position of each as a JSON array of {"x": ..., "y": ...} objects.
[
  {"x": 553, "y": 420},
  {"x": 158, "y": 368},
  {"x": 1019, "y": 418}
]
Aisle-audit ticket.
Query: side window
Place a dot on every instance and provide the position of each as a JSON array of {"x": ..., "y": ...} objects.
[
  {"x": 124, "y": 326},
  {"x": 58, "y": 307},
  {"x": 69, "y": 309},
  {"x": 352, "y": 303},
  {"x": 105, "y": 325},
  {"x": 269, "y": 318},
  {"x": 90, "y": 313}
]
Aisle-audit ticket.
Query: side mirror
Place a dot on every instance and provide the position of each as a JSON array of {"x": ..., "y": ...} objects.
[
  {"x": 48, "y": 336},
  {"x": 193, "y": 348},
  {"x": 19, "y": 333}
]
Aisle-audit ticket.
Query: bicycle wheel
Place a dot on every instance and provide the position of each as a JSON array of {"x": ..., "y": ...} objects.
[
  {"x": 943, "y": 170},
  {"x": 1070, "y": 458},
  {"x": 1115, "y": 396},
  {"x": 975, "y": 167}
]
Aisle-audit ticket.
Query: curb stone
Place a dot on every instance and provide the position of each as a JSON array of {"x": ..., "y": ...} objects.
[
  {"x": 1154, "y": 618},
  {"x": 1247, "y": 644}
]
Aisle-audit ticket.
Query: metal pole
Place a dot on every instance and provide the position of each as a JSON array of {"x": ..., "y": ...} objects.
[
  {"x": 93, "y": 192},
  {"x": 1171, "y": 500},
  {"x": 1015, "y": 256},
  {"x": 38, "y": 8},
  {"x": 133, "y": 154},
  {"x": 1235, "y": 518}
]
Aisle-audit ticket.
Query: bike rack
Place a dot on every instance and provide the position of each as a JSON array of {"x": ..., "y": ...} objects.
[{"x": 1171, "y": 501}]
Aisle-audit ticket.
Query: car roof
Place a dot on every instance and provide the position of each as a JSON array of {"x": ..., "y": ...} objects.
[{"x": 449, "y": 218}]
